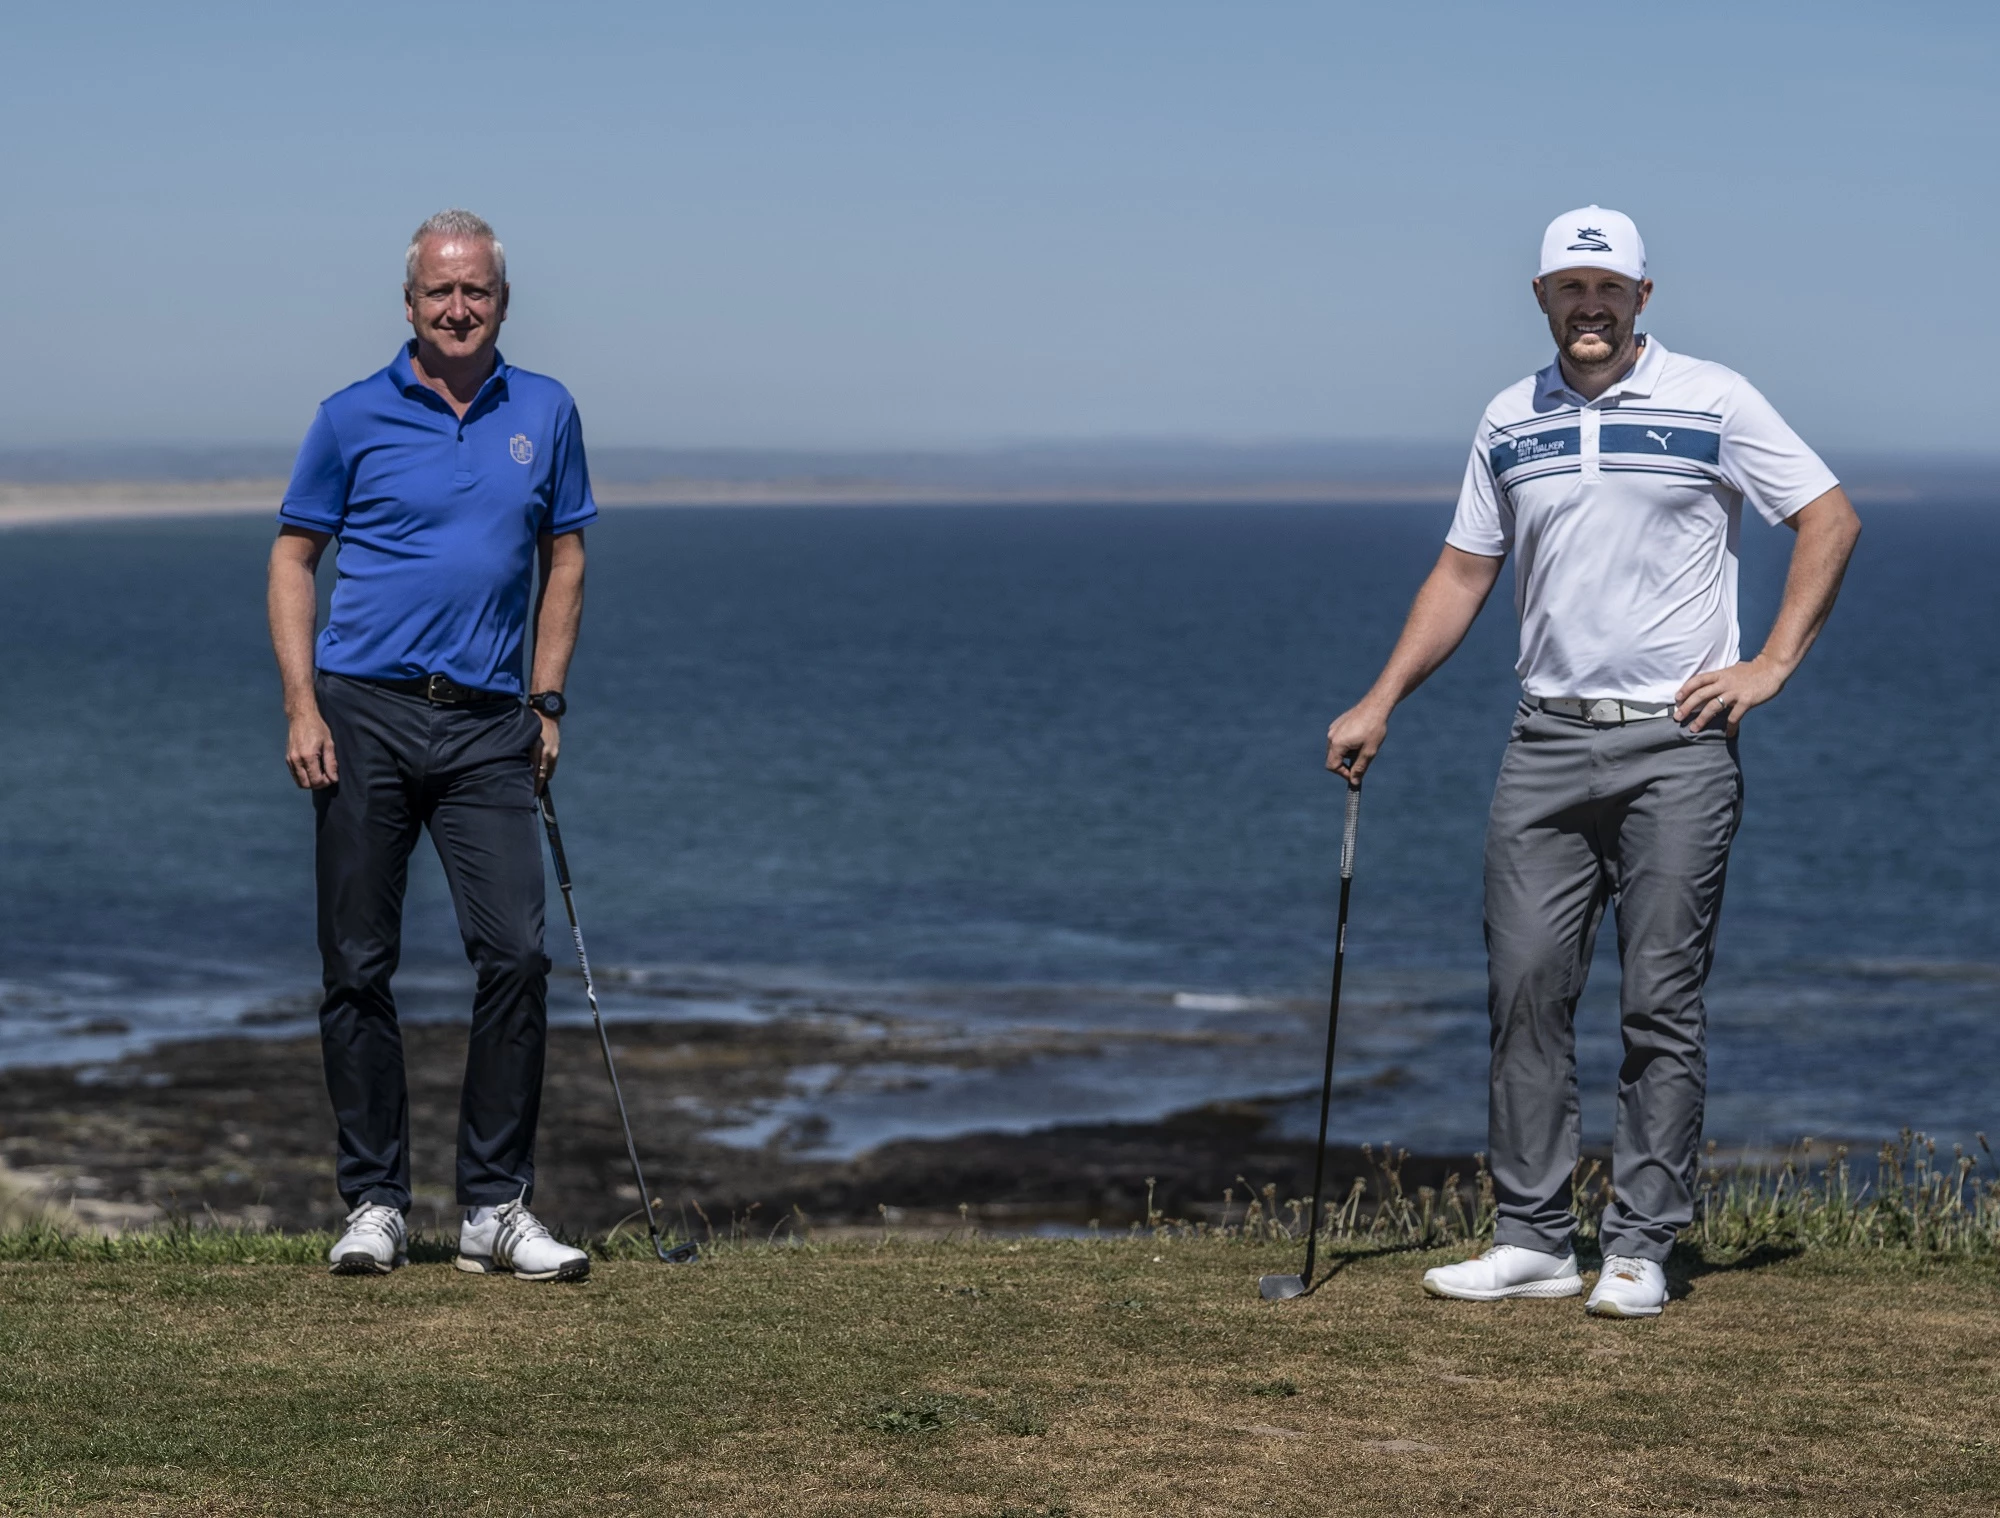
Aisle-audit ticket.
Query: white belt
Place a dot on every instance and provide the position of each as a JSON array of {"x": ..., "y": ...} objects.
[{"x": 1605, "y": 712}]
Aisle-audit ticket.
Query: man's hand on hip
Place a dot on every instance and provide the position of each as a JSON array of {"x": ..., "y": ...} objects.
[
  {"x": 1827, "y": 528},
  {"x": 309, "y": 752},
  {"x": 546, "y": 749},
  {"x": 1354, "y": 739},
  {"x": 1708, "y": 698}
]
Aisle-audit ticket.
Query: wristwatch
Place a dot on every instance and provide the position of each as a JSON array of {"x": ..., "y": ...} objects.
[{"x": 549, "y": 703}]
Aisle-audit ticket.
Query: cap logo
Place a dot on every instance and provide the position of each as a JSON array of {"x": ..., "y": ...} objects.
[
  {"x": 1589, "y": 240},
  {"x": 522, "y": 449}
]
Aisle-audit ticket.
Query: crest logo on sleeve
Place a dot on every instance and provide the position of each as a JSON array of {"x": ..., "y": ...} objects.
[
  {"x": 1589, "y": 240},
  {"x": 522, "y": 448}
]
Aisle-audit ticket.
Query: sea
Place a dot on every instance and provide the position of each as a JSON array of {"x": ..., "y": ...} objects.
[{"x": 1044, "y": 782}]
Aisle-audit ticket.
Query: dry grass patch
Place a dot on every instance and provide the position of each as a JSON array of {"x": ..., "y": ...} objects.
[{"x": 1101, "y": 1378}]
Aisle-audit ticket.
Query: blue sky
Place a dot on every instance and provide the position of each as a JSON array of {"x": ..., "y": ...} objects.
[{"x": 940, "y": 224}]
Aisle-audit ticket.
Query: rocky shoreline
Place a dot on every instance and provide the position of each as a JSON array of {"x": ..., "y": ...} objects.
[{"x": 237, "y": 1131}]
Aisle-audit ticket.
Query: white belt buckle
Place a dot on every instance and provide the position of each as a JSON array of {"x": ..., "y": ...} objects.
[{"x": 1598, "y": 711}]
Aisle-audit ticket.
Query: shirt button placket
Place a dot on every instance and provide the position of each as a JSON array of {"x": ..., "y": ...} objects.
[{"x": 1588, "y": 422}]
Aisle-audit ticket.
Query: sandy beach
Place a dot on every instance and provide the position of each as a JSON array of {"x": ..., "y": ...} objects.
[
  {"x": 45, "y": 505},
  {"x": 49, "y": 505}
]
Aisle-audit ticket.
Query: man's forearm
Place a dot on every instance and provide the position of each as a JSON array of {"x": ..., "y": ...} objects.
[
  {"x": 293, "y": 607},
  {"x": 1827, "y": 529},
  {"x": 560, "y": 616},
  {"x": 1446, "y": 606}
]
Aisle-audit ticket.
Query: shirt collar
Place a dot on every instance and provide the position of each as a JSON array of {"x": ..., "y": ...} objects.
[
  {"x": 405, "y": 376},
  {"x": 1551, "y": 389}
]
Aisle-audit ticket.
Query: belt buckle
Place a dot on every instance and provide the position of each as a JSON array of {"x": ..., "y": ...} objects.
[
  {"x": 1604, "y": 712},
  {"x": 437, "y": 690}
]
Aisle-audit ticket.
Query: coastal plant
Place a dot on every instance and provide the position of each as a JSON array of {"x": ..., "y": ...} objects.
[
  {"x": 1379, "y": 1212},
  {"x": 1912, "y": 1200}
]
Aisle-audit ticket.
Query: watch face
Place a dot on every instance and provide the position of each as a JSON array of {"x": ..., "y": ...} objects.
[{"x": 550, "y": 702}]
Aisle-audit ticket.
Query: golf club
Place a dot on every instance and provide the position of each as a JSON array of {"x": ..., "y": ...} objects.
[
  {"x": 680, "y": 1254},
  {"x": 1278, "y": 1288}
]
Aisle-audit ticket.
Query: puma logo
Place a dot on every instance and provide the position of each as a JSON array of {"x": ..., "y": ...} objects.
[{"x": 1659, "y": 437}]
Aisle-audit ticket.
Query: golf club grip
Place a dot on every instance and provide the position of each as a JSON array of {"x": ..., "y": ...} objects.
[
  {"x": 548, "y": 809},
  {"x": 1348, "y": 832}
]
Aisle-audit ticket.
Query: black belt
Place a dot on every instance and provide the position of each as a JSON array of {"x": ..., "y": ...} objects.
[{"x": 442, "y": 690}]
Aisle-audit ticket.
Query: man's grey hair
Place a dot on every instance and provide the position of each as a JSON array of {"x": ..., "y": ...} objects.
[{"x": 453, "y": 223}]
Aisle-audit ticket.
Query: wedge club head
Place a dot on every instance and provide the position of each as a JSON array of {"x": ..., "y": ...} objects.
[{"x": 1280, "y": 1288}]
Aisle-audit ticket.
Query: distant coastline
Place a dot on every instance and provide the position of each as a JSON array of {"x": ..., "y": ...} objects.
[
  {"x": 41, "y": 504},
  {"x": 50, "y": 505},
  {"x": 42, "y": 487}
]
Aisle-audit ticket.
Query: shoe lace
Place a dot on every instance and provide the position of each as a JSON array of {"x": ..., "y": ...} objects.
[
  {"x": 373, "y": 1217},
  {"x": 1627, "y": 1267},
  {"x": 518, "y": 1224}
]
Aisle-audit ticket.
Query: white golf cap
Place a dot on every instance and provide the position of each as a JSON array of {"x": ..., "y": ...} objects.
[{"x": 1594, "y": 238}]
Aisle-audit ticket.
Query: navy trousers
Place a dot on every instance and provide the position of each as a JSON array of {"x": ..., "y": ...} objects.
[{"x": 464, "y": 773}]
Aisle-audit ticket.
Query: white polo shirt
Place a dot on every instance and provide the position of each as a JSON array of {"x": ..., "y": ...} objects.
[{"x": 1622, "y": 514}]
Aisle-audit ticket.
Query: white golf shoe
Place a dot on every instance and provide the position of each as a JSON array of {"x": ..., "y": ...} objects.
[
  {"x": 1506, "y": 1270},
  {"x": 509, "y": 1238},
  {"x": 375, "y": 1243},
  {"x": 1628, "y": 1287}
]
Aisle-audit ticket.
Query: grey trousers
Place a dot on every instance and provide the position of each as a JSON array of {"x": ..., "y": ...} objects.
[
  {"x": 463, "y": 773},
  {"x": 1639, "y": 816}
]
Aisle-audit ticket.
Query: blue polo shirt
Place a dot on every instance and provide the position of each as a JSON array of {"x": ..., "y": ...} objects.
[{"x": 437, "y": 519}]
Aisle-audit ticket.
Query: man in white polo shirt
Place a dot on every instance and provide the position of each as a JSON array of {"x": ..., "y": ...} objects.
[{"x": 1616, "y": 477}]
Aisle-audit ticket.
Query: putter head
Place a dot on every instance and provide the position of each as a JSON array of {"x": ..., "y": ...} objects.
[{"x": 1280, "y": 1288}]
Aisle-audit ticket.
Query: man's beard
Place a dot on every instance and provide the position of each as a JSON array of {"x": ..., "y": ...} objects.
[{"x": 1591, "y": 350}]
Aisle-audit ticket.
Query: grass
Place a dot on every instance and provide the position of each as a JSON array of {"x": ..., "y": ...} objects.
[
  {"x": 988, "y": 1377},
  {"x": 1834, "y": 1347}
]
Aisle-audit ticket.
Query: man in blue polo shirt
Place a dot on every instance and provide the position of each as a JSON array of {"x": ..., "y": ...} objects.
[{"x": 448, "y": 478}]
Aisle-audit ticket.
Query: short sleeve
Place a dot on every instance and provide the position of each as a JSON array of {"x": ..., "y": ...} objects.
[
  {"x": 1764, "y": 460},
  {"x": 571, "y": 505},
  {"x": 316, "y": 496},
  {"x": 1484, "y": 521}
]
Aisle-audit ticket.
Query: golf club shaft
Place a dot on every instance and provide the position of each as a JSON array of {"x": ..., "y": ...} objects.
[
  {"x": 1333, "y": 1017},
  {"x": 548, "y": 808}
]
